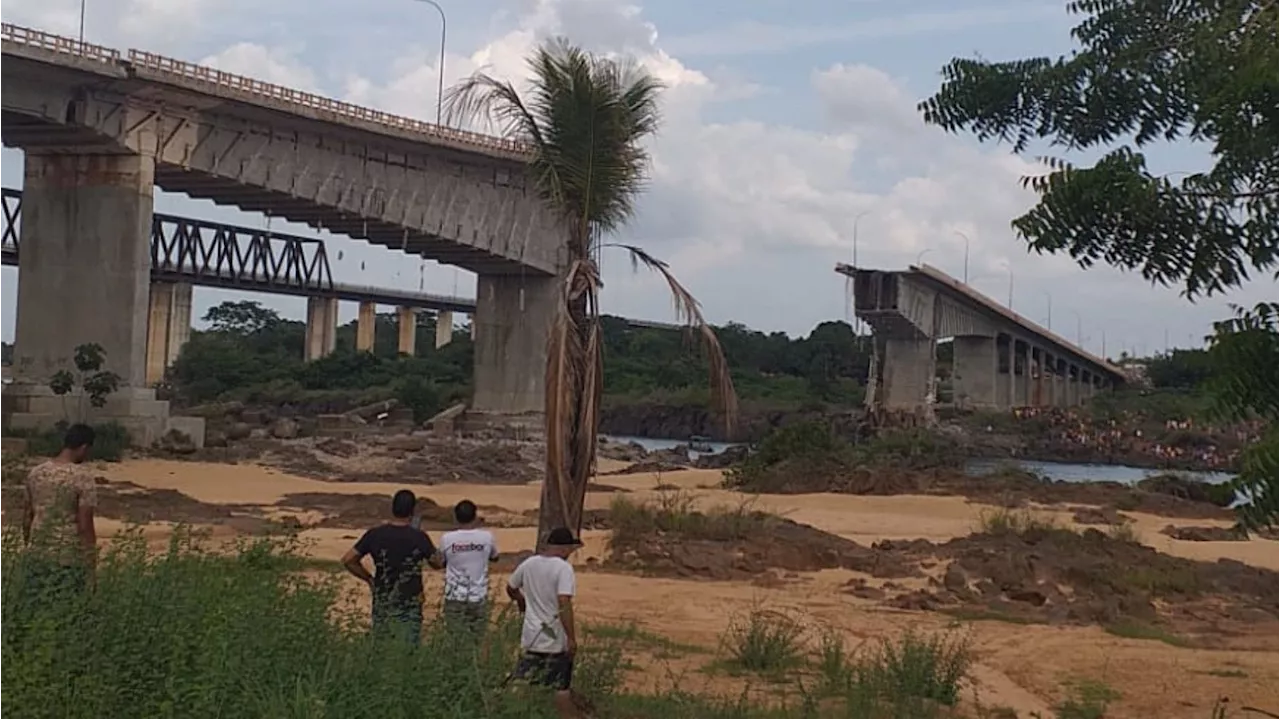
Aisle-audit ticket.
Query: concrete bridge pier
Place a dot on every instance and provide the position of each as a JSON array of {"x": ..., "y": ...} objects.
[
  {"x": 407, "y": 326},
  {"x": 366, "y": 326},
  {"x": 512, "y": 321},
  {"x": 444, "y": 328},
  {"x": 86, "y": 278},
  {"x": 906, "y": 372},
  {"x": 976, "y": 367},
  {"x": 322, "y": 327},
  {"x": 168, "y": 327}
]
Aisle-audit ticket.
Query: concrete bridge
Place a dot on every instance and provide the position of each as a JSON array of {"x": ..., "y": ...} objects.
[
  {"x": 100, "y": 129},
  {"x": 1001, "y": 360}
]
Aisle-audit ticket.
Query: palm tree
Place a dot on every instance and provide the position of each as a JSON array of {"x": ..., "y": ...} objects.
[{"x": 584, "y": 117}]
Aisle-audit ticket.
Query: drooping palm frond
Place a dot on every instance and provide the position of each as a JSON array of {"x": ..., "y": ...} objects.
[{"x": 689, "y": 313}]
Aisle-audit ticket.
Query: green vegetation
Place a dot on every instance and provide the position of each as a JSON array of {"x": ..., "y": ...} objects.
[
  {"x": 672, "y": 512},
  {"x": 1086, "y": 699},
  {"x": 811, "y": 456},
  {"x": 1137, "y": 630},
  {"x": 251, "y": 354},
  {"x": 765, "y": 642},
  {"x": 1004, "y": 520},
  {"x": 1203, "y": 73},
  {"x": 110, "y": 441}
]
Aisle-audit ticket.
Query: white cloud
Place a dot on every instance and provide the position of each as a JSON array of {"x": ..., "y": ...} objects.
[{"x": 752, "y": 216}]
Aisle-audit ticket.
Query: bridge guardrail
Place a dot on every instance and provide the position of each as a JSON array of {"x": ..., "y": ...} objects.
[
  {"x": 57, "y": 43},
  {"x": 266, "y": 90},
  {"x": 257, "y": 88}
]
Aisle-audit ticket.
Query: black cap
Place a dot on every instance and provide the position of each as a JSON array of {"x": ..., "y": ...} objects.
[{"x": 562, "y": 537}]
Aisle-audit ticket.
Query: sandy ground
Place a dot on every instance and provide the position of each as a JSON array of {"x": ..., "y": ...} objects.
[{"x": 1021, "y": 667}]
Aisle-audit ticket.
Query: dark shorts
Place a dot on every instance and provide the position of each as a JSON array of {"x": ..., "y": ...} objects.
[
  {"x": 398, "y": 620},
  {"x": 548, "y": 670},
  {"x": 469, "y": 616}
]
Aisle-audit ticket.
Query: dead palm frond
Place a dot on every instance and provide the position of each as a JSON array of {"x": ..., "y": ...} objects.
[{"x": 585, "y": 117}]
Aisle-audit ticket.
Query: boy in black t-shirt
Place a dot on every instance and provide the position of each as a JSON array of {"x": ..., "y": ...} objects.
[{"x": 398, "y": 550}]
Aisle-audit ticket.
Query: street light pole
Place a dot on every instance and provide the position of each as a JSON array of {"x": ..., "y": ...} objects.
[
  {"x": 1080, "y": 334},
  {"x": 82, "y": 2},
  {"x": 444, "y": 28},
  {"x": 856, "y": 220},
  {"x": 1048, "y": 322},
  {"x": 966, "y": 255},
  {"x": 923, "y": 252}
]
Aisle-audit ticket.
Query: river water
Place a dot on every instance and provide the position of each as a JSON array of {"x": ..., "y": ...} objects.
[{"x": 1061, "y": 471}]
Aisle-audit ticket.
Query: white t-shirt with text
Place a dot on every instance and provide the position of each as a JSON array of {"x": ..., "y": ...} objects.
[
  {"x": 467, "y": 553},
  {"x": 543, "y": 580}
]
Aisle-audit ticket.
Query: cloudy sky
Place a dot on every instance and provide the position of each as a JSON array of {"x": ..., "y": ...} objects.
[{"x": 790, "y": 130}]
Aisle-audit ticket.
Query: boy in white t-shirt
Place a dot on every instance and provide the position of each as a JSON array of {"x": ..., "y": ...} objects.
[
  {"x": 543, "y": 587},
  {"x": 467, "y": 552}
]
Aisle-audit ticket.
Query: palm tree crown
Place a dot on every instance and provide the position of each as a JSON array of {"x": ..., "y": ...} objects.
[{"x": 584, "y": 117}]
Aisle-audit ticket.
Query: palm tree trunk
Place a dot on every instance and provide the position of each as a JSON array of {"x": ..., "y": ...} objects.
[{"x": 561, "y": 506}]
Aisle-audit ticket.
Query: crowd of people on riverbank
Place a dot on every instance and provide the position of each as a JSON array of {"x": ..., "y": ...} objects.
[{"x": 1134, "y": 439}]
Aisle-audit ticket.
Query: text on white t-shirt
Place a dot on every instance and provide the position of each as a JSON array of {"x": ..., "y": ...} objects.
[
  {"x": 467, "y": 553},
  {"x": 543, "y": 580}
]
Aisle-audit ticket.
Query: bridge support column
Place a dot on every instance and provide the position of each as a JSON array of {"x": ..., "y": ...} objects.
[
  {"x": 512, "y": 319},
  {"x": 366, "y": 326},
  {"x": 444, "y": 328},
  {"x": 86, "y": 278},
  {"x": 976, "y": 367},
  {"x": 408, "y": 328},
  {"x": 85, "y": 263},
  {"x": 322, "y": 327},
  {"x": 168, "y": 327},
  {"x": 906, "y": 373}
]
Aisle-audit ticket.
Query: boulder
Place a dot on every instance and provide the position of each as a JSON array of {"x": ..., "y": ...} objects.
[{"x": 284, "y": 428}]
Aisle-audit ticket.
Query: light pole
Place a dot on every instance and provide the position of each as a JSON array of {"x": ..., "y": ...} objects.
[
  {"x": 1048, "y": 320},
  {"x": 444, "y": 27},
  {"x": 1009, "y": 267},
  {"x": 1080, "y": 334},
  {"x": 856, "y": 220},
  {"x": 966, "y": 255},
  {"x": 923, "y": 252},
  {"x": 82, "y": 2}
]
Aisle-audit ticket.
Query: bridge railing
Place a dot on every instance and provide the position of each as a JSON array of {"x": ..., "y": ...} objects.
[
  {"x": 57, "y": 43},
  {"x": 337, "y": 108},
  {"x": 256, "y": 88}
]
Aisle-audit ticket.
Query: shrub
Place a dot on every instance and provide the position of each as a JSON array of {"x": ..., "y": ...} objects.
[
  {"x": 111, "y": 441},
  {"x": 1003, "y": 520},
  {"x": 672, "y": 512},
  {"x": 919, "y": 667},
  {"x": 764, "y": 641}
]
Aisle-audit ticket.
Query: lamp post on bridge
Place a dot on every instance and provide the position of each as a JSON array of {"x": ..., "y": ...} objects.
[
  {"x": 856, "y": 220},
  {"x": 966, "y": 255},
  {"x": 1079, "y": 334},
  {"x": 444, "y": 28},
  {"x": 82, "y": 3},
  {"x": 1048, "y": 320},
  {"x": 920, "y": 257}
]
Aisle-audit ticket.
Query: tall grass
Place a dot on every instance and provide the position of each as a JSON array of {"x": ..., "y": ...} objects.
[
  {"x": 191, "y": 633},
  {"x": 673, "y": 512}
]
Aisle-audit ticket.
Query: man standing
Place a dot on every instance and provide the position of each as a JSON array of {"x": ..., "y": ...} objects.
[
  {"x": 543, "y": 587},
  {"x": 467, "y": 552},
  {"x": 58, "y": 521},
  {"x": 398, "y": 551}
]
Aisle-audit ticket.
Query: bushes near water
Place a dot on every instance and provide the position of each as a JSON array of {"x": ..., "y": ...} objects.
[{"x": 811, "y": 457}]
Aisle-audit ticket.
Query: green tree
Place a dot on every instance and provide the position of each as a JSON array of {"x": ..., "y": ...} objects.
[
  {"x": 584, "y": 116},
  {"x": 243, "y": 317},
  {"x": 1146, "y": 72}
]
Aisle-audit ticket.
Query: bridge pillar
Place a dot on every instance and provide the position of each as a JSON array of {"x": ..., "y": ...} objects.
[
  {"x": 444, "y": 328},
  {"x": 85, "y": 263},
  {"x": 366, "y": 326},
  {"x": 322, "y": 327},
  {"x": 408, "y": 331},
  {"x": 906, "y": 373},
  {"x": 168, "y": 327},
  {"x": 1021, "y": 375},
  {"x": 86, "y": 279},
  {"x": 512, "y": 320},
  {"x": 975, "y": 369}
]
